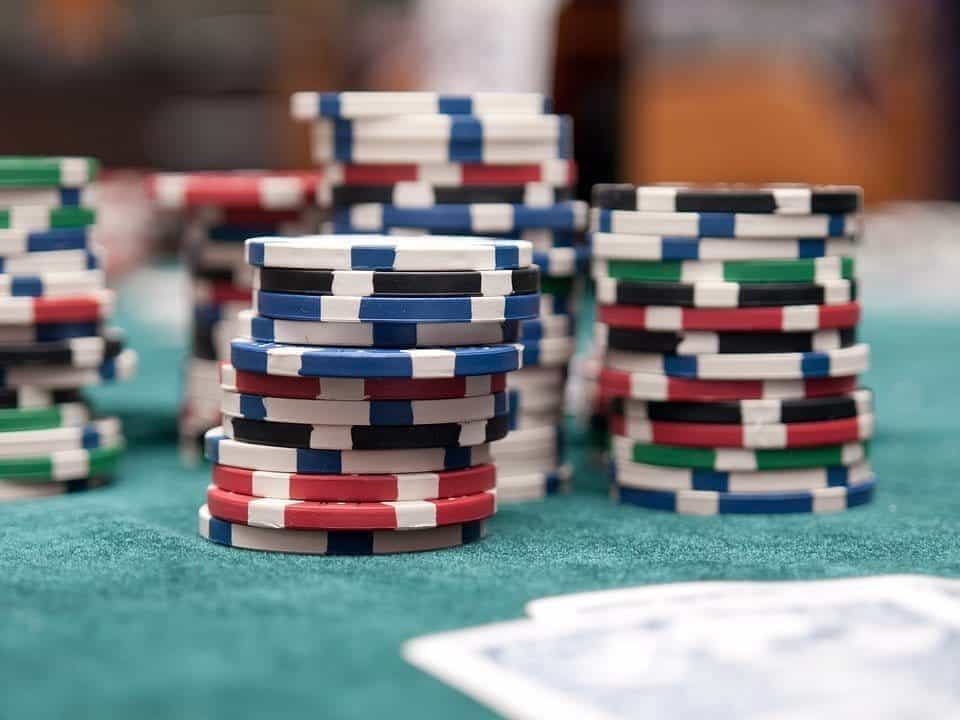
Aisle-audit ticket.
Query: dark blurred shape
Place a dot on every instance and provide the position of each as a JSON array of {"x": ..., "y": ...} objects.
[
  {"x": 948, "y": 48},
  {"x": 588, "y": 75}
]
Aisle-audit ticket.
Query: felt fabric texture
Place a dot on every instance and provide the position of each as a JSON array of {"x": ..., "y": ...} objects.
[{"x": 113, "y": 606}]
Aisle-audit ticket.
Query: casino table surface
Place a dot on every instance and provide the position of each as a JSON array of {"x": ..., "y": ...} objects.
[{"x": 112, "y": 603}]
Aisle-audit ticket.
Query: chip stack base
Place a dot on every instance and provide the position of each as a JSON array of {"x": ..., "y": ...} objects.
[
  {"x": 381, "y": 447},
  {"x": 54, "y": 341},
  {"x": 484, "y": 164},
  {"x": 728, "y": 325},
  {"x": 221, "y": 210}
]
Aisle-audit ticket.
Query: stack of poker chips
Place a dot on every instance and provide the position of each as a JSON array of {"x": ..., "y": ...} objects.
[
  {"x": 53, "y": 342},
  {"x": 487, "y": 164},
  {"x": 362, "y": 397},
  {"x": 221, "y": 210},
  {"x": 728, "y": 318}
]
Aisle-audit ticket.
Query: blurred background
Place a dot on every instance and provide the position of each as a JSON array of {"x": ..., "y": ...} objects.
[{"x": 847, "y": 91}]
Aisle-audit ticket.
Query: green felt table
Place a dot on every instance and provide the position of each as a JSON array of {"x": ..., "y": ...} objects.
[{"x": 113, "y": 605}]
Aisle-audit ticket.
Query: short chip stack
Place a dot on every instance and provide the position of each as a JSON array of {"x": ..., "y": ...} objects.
[
  {"x": 486, "y": 164},
  {"x": 364, "y": 393},
  {"x": 221, "y": 210},
  {"x": 729, "y": 319},
  {"x": 53, "y": 341}
]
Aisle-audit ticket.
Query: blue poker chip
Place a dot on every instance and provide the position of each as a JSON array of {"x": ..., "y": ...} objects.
[
  {"x": 17, "y": 243},
  {"x": 223, "y": 451},
  {"x": 697, "y": 502},
  {"x": 49, "y": 332},
  {"x": 547, "y": 326},
  {"x": 524, "y": 487},
  {"x": 52, "y": 284},
  {"x": 362, "y": 309},
  {"x": 377, "y": 334},
  {"x": 353, "y": 104},
  {"x": 656, "y": 247},
  {"x": 290, "y": 360},
  {"x": 548, "y": 352},
  {"x": 475, "y": 219},
  {"x": 725, "y": 225},
  {"x": 563, "y": 261},
  {"x": 379, "y": 252},
  {"x": 50, "y": 261}
]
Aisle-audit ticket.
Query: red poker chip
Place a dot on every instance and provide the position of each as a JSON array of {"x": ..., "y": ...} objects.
[
  {"x": 308, "y": 515},
  {"x": 356, "y": 488},
  {"x": 558, "y": 172},
  {"x": 72, "y": 308},
  {"x": 221, "y": 292},
  {"x": 787, "y": 435},
  {"x": 767, "y": 319},
  {"x": 618, "y": 383},
  {"x": 253, "y": 189},
  {"x": 243, "y": 381}
]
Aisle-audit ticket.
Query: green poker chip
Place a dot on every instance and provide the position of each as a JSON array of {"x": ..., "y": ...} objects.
[
  {"x": 732, "y": 459},
  {"x": 63, "y": 465},
  {"x": 32, "y": 172},
  {"x": 19, "y": 419},
  {"x": 739, "y": 271},
  {"x": 57, "y": 218}
]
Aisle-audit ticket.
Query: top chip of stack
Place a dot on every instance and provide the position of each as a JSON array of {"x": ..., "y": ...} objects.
[{"x": 727, "y": 316}]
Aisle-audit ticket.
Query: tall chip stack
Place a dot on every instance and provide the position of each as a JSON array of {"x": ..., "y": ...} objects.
[
  {"x": 221, "y": 210},
  {"x": 487, "y": 164},
  {"x": 53, "y": 340},
  {"x": 365, "y": 390},
  {"x": 728, "y": 317}
]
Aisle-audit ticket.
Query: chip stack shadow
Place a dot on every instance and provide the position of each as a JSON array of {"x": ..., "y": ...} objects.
[
  {"x": 220, "y": 211},
  {"x": 484, "y": 164},
  {"x": 727, "y": 320},
  {"x": 54, "y": 304},
  {"x": 362, "y": 396}
]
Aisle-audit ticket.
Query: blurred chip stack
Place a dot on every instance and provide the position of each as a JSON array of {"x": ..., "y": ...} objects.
[
  {"x": 363, "y": 393},
  {"x": 487, "y": 164},
  {"x": 728, "y": 319},
  {"x": 53, "y": 341},
  {"x": 221, "y": 210}
]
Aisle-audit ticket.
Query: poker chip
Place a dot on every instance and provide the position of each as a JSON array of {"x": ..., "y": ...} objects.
[
  {"x": 547, "y": 326},
  {"x": 765, "y": 200},
  {"x": 38, "y": 442},
  {"x": 773, "y": 435},
  {"x": 557, "y": 173},
  {"x": 362, "y": 388},
  {"x": 372, "y": 283},
  {"x": 652, "y": 477},
  {"x": 52, "y": 261},
  {"x": 425, "y": 195},
  {"x": 17, "y": 241},
  {"x": 807, "y": 270},
  {"x": 364, "y": 412},
  {"x": 74, "y": 308},
  {"x": 225, "y": 451},
  {"x": 66, "y": 465},
  {"x": 357, "y": 309},
  {"x": 738, "y": 459},
  {"x": 62, "y": 415},
  {"x": 114, "y": 369},
  {"x": 311, "y": 515},
  {"x": 374, "y": 334},
  {"x": 475, "y": 219},
  {"x": 356, "y": 488},
  {"x": 11, "y": 491},
  {"x": 313, "y": 105},
  {"x": 343, "y": 542},
  {"x": 52, "y": 284},
  {"x": 525, "y": 487},
  {"x": 48, "y": 332},
  {"x": 700, "y": 342},
  {"x": 526, "y": 128},
  {"x": 751, "y": 412},
  {"x": 694, "y": 502},
  {"x": 277, "y": 359},
  {"x": 725, "y": 224},
  {"x": 44, "y": 172},
  {"x": 665, "y": 248},
  {"x": 742, "y": 366},
  {"x": 794, "y": 318},
  {"x": 548, "y": 352},
  {"x": 376, "y": 252},
  {"x": 562, "y": 262},
  {"x": 38, "y": 217},
  {"x": 724, "y": 294},
  {"x": 25, "y": 398},
  {"x": 79, "y": 352},
  {"x": 366, "y": 437},
  {"x": 243, "y": 189},
  {"x": 652, "y": 386}
]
